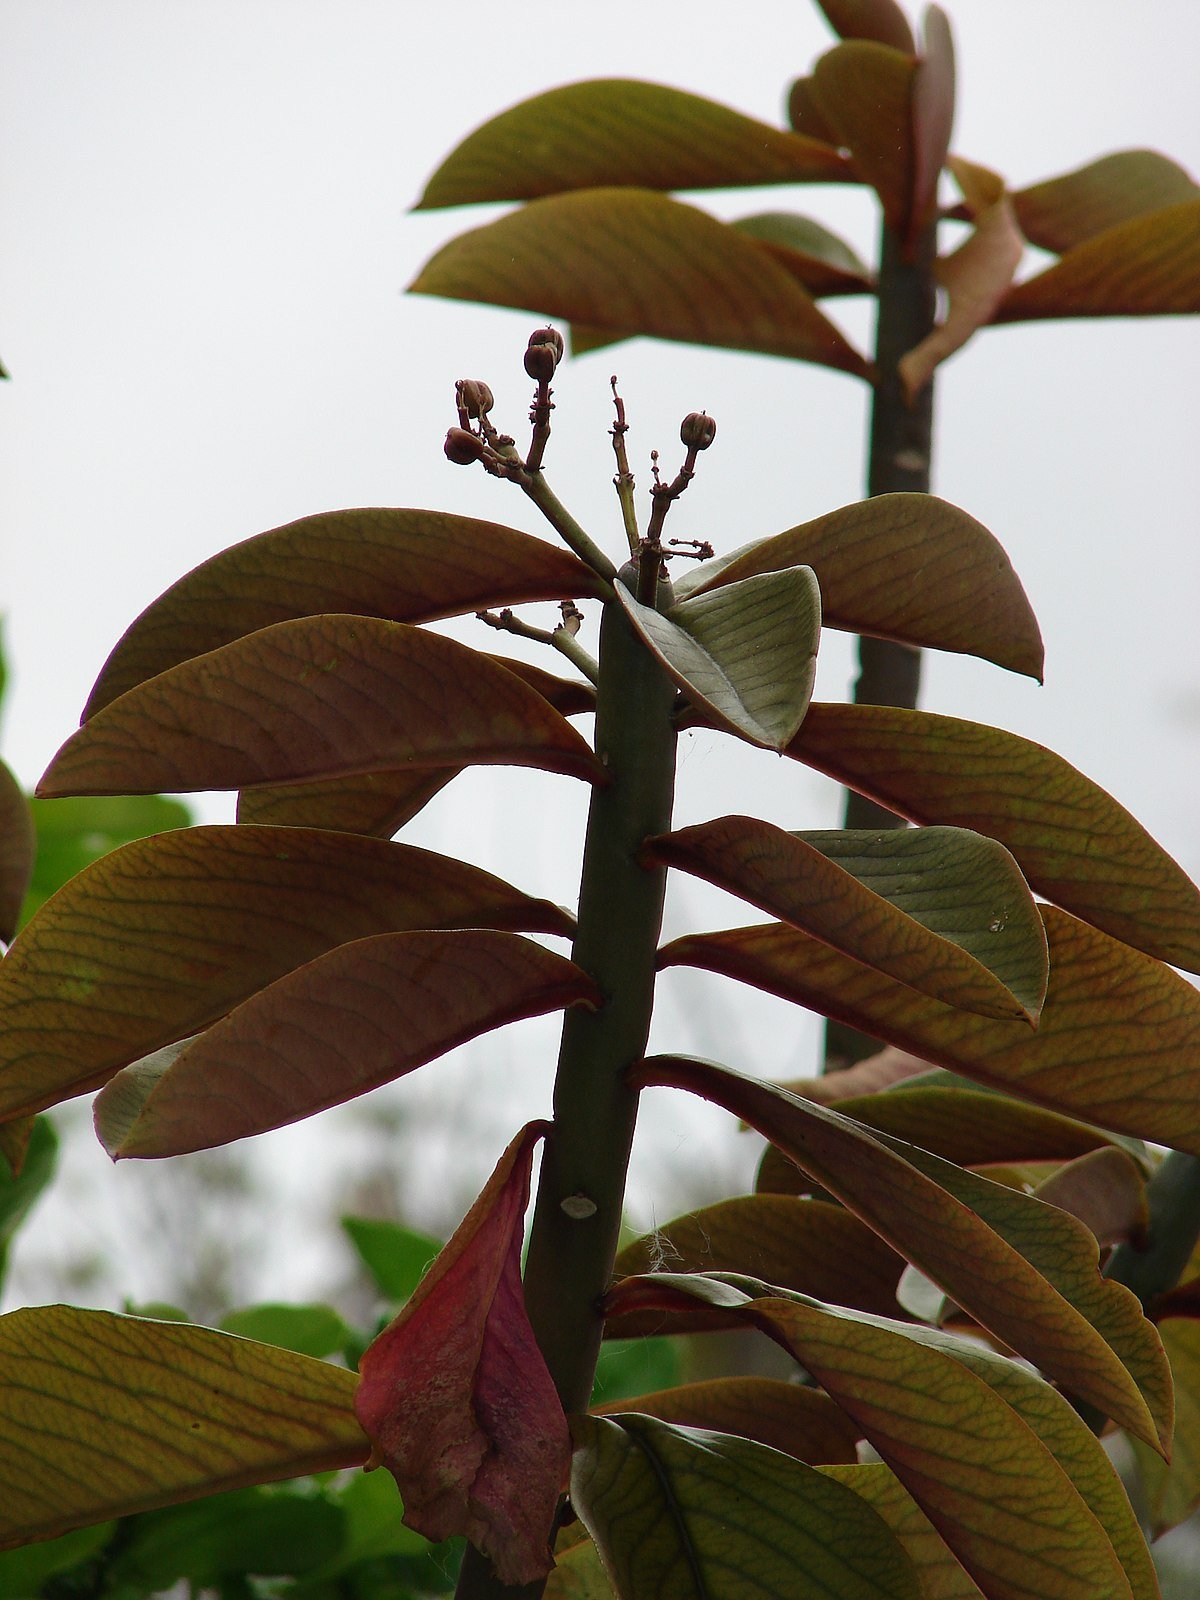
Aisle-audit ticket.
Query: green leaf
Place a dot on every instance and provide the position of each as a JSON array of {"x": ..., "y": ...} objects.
[
  {"x": 790, "y": 1417},
  {"x": 617, "y": 131},
  {"x": 1146, "y": 267},
  {"x": 627, "y": 1367},
  {"x": 800, "y": 1244},
  {"x": 23, "y": 1572},
  {"x": 73, "y": 833},
  {"x": 633, "y": 261},
  {"x": 908, "y": 567},
  {"x": 821, "y": 261},
  {"x": 20, "y": 1191},
  {"x": 18, "y": 846},
  {"x": 314, "y": 1330},
  {"x": 1022, "y": 1269},
  {"x": 746, "y": 653},
  {"x": 1075, "y": 844},
  {"x": 158, "y": 939},
  {"x": 942, "y": 1578},
  {"x": 1173, "y": 1491},
  {"x": 252, "y": 1531},
  {"x": 1011, "y": 1478},
  {"x": 941, "y": 909},
  {"x": 378, "y": 803},
  {"x": 395, "y": 1256},
  {"x": 1060, "y": 213},
  {"x": 1118, "y": 1042},
  {"x": 578, "y": 1575},
  {"x": 104, "y": 1415},
  {"x": 683, "y": 1512},
  {"x": 319, "y": 697},
  {"x": 406, "y": 566},
  {"x": 864, "y": 92},
  {"x": 361, "y": 1015}
]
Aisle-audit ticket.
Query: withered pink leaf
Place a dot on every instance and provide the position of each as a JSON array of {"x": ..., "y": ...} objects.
[{"x": 456, "y": 1398}]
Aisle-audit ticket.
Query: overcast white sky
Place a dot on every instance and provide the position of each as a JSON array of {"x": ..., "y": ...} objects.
[{"x": 204, "y": 245}]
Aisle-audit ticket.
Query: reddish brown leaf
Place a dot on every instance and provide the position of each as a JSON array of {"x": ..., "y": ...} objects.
[
  {"x": 1022, "y": 1269},
  {"x": 633, "y": 261},
  {"x": 160, "y": 938},
  {"x": 1118, "y": 1042},
  {"x": 908, "y": 567},
  {"x": 362, "y": 1015},
  {"x": 864, "y": 91},
  {"x": 882, "y": 20},
  {"x": 18, "y": 847},
  {"x": 1077, "y": 847},
  {"x": 942, "y": 909},
  {"x": 619, "y": 131},
  {"x": 455, "y": 1395},
  {"x": 867, "y": 1077},
  {"x": 1106, "y": 1189},
  {"x": 808, "y": 1245},
  {"x": 379, "y": 803},
  {"x": 976, "y": 278},
  {"x": 1146, "y": 267},
  {"x": 932, "y": 114},
  {"x": 316, "y": 698},
  {"x": 785, "y": 1416},
  {"x": 803, "y": 115},
  {"x": 407, "y": 566},
  {"x": 1063, "y": 212}
]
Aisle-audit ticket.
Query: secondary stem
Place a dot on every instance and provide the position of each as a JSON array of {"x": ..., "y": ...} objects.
[{"x": 577, "y": 1219}]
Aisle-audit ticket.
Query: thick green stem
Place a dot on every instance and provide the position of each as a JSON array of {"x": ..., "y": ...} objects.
[
  {"x": 898, "y": 462},
  {"x": 577, "y": 1220}
]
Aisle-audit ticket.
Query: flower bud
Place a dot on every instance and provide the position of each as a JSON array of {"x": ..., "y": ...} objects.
[
  {"x": 544, "y": 353},
  {"x": 475, "y": 396},
  {"x": 697, "y": 430},
  {"x": 462, "y": 447}
]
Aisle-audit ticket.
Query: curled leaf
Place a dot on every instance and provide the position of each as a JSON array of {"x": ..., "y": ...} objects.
[{"x": 456, "y": 1398}]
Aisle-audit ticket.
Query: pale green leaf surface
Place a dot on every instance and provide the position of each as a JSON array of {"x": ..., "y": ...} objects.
[
  {"x": 745, "y": 653},
  {"x": 631, "y": 261},
  {"x": 617, "y": 131},
  {"x": 942, "y": 1575},
  {"x": 1075, "y": 844},
  {"x": 1173, "y": 1490},
  {"x": 684, "y": 1514},
  {"x": 944, "y": 910},
  {"x": 822, "y": 261},
  {"x": 104, "y": 1415}
]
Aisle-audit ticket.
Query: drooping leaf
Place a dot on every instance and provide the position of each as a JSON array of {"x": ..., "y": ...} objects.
[
  {"x": 864, "y": 91},
  {"x": 357, "y": 1017},
  {"x": 784, "y": 1416},
  {"x": 881, "y": 20},
  {"x": 942, "y": 909},
  {"x": 1173, "y": 1491},
  {"x": 378, "y": 803},
  {"x": 319, "y": 697},
  {"x": 908, "y": 567},
  {"x": 1060, "y": 213},
  {"x": 22, "y": 1186},
  {"x": 18, "y": 847},
  {"x": 942, "y": 1577},
  {"x": 484, "y": 1449},
  {"x": 932, "y": 116},
  {"x": 976, "y": 277},
  {"x": 1022, "y": 1269},
  {"x": 1075, "y": 844},
  {"x": 746, "y": 653},
  {"x": 406, "y": 566},
  {"x": 1008, "y": 1475},
  {"x": 1118, "y": 1042},
  {"x": 312, "y": 1330},
  {"x": 618, "y": 131},
  {"x": 680, "y": 1511},
  {"x": 821, "y": 261},
  {"x": 160, "y": 938},
  {"x": 1106, "y": 1189},
  {"x": 809, "y": 1245},
  {"x": 634, "y": 261},
  {"x": 72, "y": 833},
  {"x": 395, "y": 1256},
  {"x": 105, "y": 1415},
  {"x": 1146, "y": 267}
]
